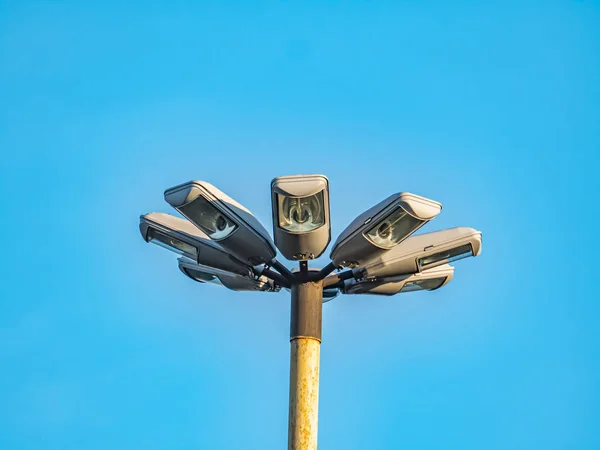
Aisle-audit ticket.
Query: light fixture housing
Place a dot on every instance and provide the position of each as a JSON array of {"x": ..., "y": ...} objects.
[
  {"x": 182, "y": 237},
  {"x": 301, "y": 225},
  {"x": 428, "y": 280},
  {"x": 424, "y": 252},
  {"x": 224, "y": 220},
  {"x": 232, "y": 281},
  {"x": 381, "y": 228},
  {"x": 330, "y": 294}
]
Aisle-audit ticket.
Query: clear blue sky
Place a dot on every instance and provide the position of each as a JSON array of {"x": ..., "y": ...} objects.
[{"x": 492, "y": 109}]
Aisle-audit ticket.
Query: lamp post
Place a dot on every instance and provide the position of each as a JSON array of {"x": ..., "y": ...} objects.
[{"x": 221, "y": 242}]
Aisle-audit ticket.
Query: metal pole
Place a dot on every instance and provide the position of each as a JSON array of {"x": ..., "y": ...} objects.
[{"x": 305, "y": 340}]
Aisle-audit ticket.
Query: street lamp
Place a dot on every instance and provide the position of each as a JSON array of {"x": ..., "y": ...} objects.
[
  {"x": 223, "y": 220},
  {"x": 428, "y": 280},
  {"x": 425, "y": 251},
  {"x": 221, "y": 242},
  {"x": 180, "y": 236},
  {"x": 233, "y": 281},
  {"x": 382, "y": 227},
  {"x": 300, "y": 205}
]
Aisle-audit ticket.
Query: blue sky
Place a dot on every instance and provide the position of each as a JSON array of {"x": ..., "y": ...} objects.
[{"x": 491, "y": 109}]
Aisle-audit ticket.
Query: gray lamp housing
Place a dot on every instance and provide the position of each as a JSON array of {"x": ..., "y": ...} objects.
[
  {"x": 428, "y": 280},
  {"x": 301, "y": 224},
  {"x": 330, "y": 294},
  {"x": 382, "y": 227},
  {"x": 224, "y": 220},
  {"x": 424, "y": 252},
  {"x": 182, "y": 237},
  {"x": 232, "y": 281}
]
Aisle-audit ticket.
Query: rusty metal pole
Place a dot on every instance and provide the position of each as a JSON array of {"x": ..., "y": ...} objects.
[{"x": 305, "y": 340}]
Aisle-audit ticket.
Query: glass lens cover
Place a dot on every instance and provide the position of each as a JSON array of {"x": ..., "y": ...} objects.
[
  {"x": 208, "y": 218},
  {"x": 173, "y": 244},
  {"x": 446, "y": 256},
  {"x": 330, "y": 293},
  {"x": 202, "y": 277},
  {"x": 392, "y": 229},
  {"x": 301, "y": 215},
  {"x": 423, "y": 285}
]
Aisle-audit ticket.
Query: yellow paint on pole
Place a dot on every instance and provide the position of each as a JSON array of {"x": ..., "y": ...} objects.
[{"x": 304, "y": 394}]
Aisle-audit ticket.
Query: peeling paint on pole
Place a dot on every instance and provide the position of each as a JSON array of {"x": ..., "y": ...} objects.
[
  {"x": 305, "y": 353},
  {"x": 304, "y": 394}
]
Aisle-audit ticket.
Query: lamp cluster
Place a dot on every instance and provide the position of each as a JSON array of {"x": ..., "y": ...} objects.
[{"x": 220, "y": 241}]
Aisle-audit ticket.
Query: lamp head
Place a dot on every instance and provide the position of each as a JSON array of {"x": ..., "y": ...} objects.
[
  {"x": 301, "y": 223},
  {"x": 424, "y": 252},
  {"x": 232, "y": 281},
  {"x": 223, "y": 220},
  {"x": 428, "y": 280},
  {"x": 382, "y": 227},
  {"x": 330, "y": 294},
  {"x": 180, "y": 236}
]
